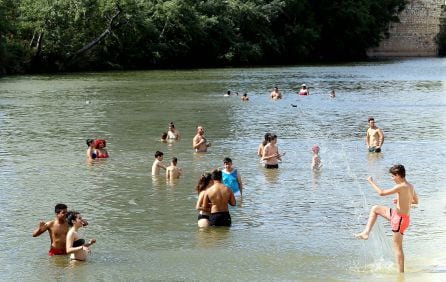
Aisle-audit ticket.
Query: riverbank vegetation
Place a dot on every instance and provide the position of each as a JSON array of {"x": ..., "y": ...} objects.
[{"x": 70, "y": 35}]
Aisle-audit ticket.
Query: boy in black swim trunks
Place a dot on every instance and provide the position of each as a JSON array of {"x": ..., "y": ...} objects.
[{"x": 219, "y": 196}]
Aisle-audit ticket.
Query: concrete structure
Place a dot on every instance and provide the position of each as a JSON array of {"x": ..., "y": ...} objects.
[{"x": 416, "y": 32}]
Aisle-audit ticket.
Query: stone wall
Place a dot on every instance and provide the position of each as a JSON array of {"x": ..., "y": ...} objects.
[{"x": 416, "y": 32}]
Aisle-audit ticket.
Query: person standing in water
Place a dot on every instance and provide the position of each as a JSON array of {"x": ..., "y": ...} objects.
[
  {"x": 218, "y": 196},
  {"x": 275, "y": 94},
  {"x": 173, "y": 133},
  {"x": 158, "y": 163},
  {"x": 199, "y": 143},
  {"x": 374, "y": 137},
  {"x": 316, "y": 162},
  {"x": 77, "y": 248},
  {"x": 271, "y": 155},
  {"x": 232, "y": 178},
  {"x": 204, "y": 212},
  {"x": 304, "y": 90},
  {"x": 399, "y": 217},
  {"x": 57, "y": 229},
  {"x": 172, "y": 171}
]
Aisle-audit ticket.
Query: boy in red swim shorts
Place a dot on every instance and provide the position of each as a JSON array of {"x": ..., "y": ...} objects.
[{"x": 399, "y": 217}]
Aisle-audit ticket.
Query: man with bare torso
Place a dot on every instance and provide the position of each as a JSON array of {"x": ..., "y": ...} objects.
[
  {"x": 219, "y": 196},
  {"x": 57, "y": 229},
  {"x": 172, "y": 171},
  {"x": 375, "y": 137},
  {"x": 199, "y": 143}
]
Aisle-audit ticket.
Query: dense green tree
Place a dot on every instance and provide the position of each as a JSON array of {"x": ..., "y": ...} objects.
[{"x": 51, "y": 35}]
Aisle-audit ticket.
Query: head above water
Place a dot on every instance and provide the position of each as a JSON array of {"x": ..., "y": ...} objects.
[
  {"x": 99, "y": 143},
  {"x": 227, "y": 161},
  {"x": 217, "y": 175},
  {"x": 174, "y": 160},
  {"x": 72, "y": 216},
  {"x": 398, "y": 169},
  {"x": 203, "y": 182},
  {"x": 371, "y": 119},
  {"x": 158, "y": 154},
  {"x": 60, "y": 207},
  {"x": 171, "y": 125},
  {"x": 89, "y": 142},
  {"x": 315, "y": 149}
]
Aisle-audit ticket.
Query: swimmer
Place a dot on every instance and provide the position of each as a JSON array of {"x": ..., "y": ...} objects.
[
  {"x": 316, "y": 162},
  {"x": 399, "y": 217},
  {"x": 164, "y": 137},
  {"x": 245, "y": 97},
  {"x": 228, "y": 94},
  {"x": 99, "y": 148},
  {"x": 275, "y": 94},
  {"x": 262, "y": 145},
  {"x": 91, "y": 155},
  {"x": 57, "y": 229},
  {"x": 218, "y": 196},
  {"x": 204, "y": 212},
  {"x": 271, "y": 155},
  {"x": 199, "y": 143},
  {"x": 173, "y": 133},
  {"x": 158, "y": 163},
  {"x": 332, "y": 94},
  {"x": 76, "y": 247},
  {"x": 374, "y": 137},
  {"x": 232, "y": 178},
  {"x": 172, "y": 171},
  {"x": 304, "y": 90}
]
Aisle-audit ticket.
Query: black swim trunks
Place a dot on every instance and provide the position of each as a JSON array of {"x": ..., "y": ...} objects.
[
  {"x": 220, "y": 219},
  {"x": 201, "y": 216},
  {"x": 271, "y": 166}
]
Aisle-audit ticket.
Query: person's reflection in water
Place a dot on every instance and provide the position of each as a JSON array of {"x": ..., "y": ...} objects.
[
  {"x": 272, "y": 175},
  {"x": 211, "y": 237},
  {"x": 316, "y": 177}
]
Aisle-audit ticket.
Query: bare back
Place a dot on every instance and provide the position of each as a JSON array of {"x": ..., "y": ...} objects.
[{"x": 219, "y": 196}]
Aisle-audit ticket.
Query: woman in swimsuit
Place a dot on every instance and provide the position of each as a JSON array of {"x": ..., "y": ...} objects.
[
  {"x": 75, "y": 246},
  {"x": 99, "y": 148},
  {"x": 172, "y": 133},
  {"x": 203, "y": 214}
]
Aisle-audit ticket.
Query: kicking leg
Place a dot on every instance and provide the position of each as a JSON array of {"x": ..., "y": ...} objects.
[{"x": 374, "y": 212}]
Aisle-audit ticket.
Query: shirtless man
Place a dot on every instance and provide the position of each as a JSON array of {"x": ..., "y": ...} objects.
[
  {"x": 218, "y": 196},
  {"x": 276, "y": 95},
  {"x": 271, "y": 156},
  {"x": 398, "y": 217},
  {"x": 57, "y": 229},
  {"x": 199, "y": 143},
  {"x": 158, "y": 163},
  {"x": 374, "y": 137},
  {"x": 172, "y": 171}
]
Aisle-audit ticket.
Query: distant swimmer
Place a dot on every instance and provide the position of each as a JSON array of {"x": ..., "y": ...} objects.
[
  {"x": 57, "y": 229},
  {"x": 275, "y": 94},
  {"x": 199, "y": 143},
  {"x": 158, "y": 163},
  {"x": 76, "y": 247},
  {"x": 172, "y": 171},
  {"x": 245, "y": 97},
  {"x": 316, "y": 163},
  {"x": 228, "y": 94},
  {"x": 164, "y": 137},
  {"x": 204, "y": 212},
  {"x": 399, "y": 217},
  {"x": 218, "y": 196},
  {"x": 263, "y": 144},
  {"x": 91, "y": 155},
  {"x": 99, "y": 148},
  {"x": 304, "y": 90},
  {"x": 271, "y": 156},
  {"x": 173, "y": 133},
  {"x": 232, "y": 178},
  {"x": 332, "y": 94},
  {"x": 374, "y": 137}
]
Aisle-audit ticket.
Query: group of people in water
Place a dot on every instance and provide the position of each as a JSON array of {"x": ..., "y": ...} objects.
[{"x": 217, "y": 190}]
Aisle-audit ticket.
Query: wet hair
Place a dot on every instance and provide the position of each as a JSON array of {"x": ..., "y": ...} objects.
[
  {"x": 164, "y": 135},
  {"x": 315, "y": 149},
  {"x": 371, "y": 118},
  {"x": 174, "y": 160},
  {"x": 227, "y": 160},
  {"x": 266, "y": 138},
  {"x": 398, "y": 169},
  {"x": 59, "y": 207},
  {"x": 217, "y": 175},
  {"x": 98, "y": 142},
  {"x": 71, "y": 216},
  {"x": 272, "y": 137},
  {"x": 245, "y": 94},
  {"x": 171, "y": 124},
  {"x": 229, "y": 92},
  {"x": 203, "y": 182},
  {"x": 158, "y": 154},
  {"x": 89, "y": 142}
]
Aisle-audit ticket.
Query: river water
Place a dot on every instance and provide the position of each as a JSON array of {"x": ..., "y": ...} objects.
[{"x": 292, "y": 224}]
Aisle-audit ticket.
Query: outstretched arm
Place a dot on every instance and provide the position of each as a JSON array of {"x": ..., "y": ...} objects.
[
  {"x": 41, "y": 228},
  {"x": 380, "y": 191}
]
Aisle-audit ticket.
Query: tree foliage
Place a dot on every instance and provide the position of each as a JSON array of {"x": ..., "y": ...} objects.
[{"x": 51, "y": 35}]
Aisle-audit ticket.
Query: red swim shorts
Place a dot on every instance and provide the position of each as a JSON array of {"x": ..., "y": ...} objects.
[
  {"x": 399, "y": 222},
  {"x": 53, "y": 251}
]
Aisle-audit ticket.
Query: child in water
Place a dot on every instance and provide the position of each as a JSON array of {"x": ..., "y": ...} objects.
[{"x": 316, "y": 163}]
